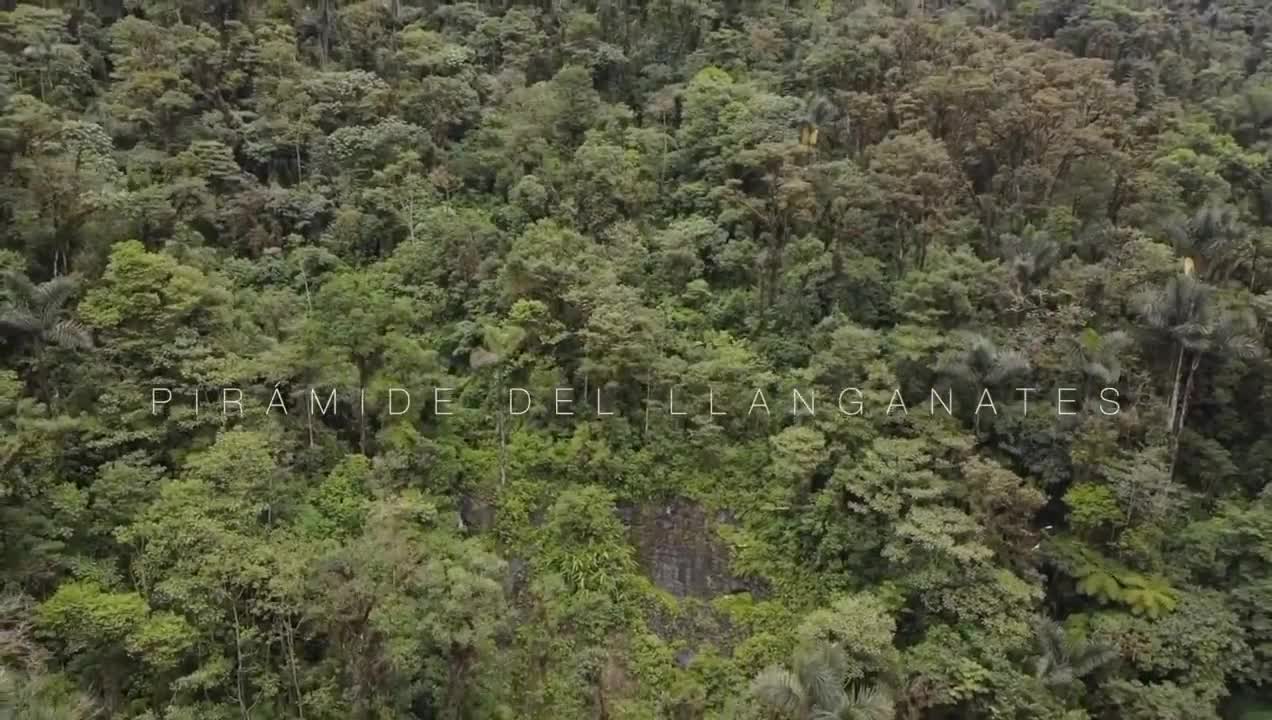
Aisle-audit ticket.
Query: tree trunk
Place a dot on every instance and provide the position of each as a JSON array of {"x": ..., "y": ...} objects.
[
  {"x": 1174, "y": 393},
  {"x": 649, "y": 389},
  {"x": 324, "y": 31},
  {"x": 501, "y": 428},
  {"x": 363, "y": 374},
  {"x": 290, "y": 636},
  {"x": 1183, "y": 412},
  {"x": 239, "y": 672}
]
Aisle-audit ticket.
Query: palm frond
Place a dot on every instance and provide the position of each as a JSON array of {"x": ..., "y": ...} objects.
[
  {"x": 874, "y": 702},
  {"x": 18, "y": 321},
  {"x": 1062, "y": 660},
  {"x": 54, "y": 293},
  {"x": 1151, "y": 307},
  {"x": 980, "y": 356},
  {"x": 819, "y": 110},
  {"x": 1033, "y": 256},
  {"x": 779, "y": 689},
  {"x": 17, "y": 286},
  {"x": 1182, "y": 302},
  {"x": 1007, "y": 364},
  {"x": 70, "y": 334},
  {"x": 1115, "y": 342},
  {"x": 38, "y": 310},
  {"x": 1234, "y": 334},
  {"x": 1102, "y": 373},
  {"x": 1057, "y": 676},
  {"x": 1092, "y": 657},
  {"x": 1051, "y": 640},
  {"x": 1194, "y": 335},
  {"x": 1099, "y": 354},
  {"x": 821, "y": 668}
]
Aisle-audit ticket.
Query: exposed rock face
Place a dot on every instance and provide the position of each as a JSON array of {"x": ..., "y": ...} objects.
[{"x": 677, "y": 546}]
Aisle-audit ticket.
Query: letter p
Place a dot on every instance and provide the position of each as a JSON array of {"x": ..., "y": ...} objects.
[{"x": 155, "y": 402}]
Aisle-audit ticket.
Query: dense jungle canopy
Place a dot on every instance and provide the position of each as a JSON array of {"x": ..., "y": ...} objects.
[{"x": 637, "y": 199}]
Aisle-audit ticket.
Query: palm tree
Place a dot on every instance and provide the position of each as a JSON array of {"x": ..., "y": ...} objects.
[
  {"x": 36, "y": 314},
  {"x": 1100, "y": 355},
  {"x": 36, "y": 310},
  {"x": 1230, "y": 334},
  {"x": 1030, "y": 258},
  {"x": 816, "y": 689},
  {"x": 984, "y": 365},
  {"x": 1182, "y": 313},
  {"x": 1215, "y": 241},
  {"x": 499, "y": 344},
  {"x": 1176, "y": 313},
  {"x": 1062, "y": 660},
  {"x": 819, "y": 112}
]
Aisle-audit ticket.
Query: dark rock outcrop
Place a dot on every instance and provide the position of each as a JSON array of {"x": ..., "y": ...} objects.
[{"x": 677, "y": 546}]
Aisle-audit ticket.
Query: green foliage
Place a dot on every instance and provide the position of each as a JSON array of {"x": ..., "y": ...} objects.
[
  {"x": 84, "y": 615},
  {"x": 816, "y": 689},
  {"x": 585, "y": 543},
  {"x": 1092, "y": 507},
  {"x": 859, "y": 624},
  {"x": 1111, "y": 582}
]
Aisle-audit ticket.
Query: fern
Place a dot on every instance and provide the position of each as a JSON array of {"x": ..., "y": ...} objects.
[{"x": 1110, "y": 582}]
